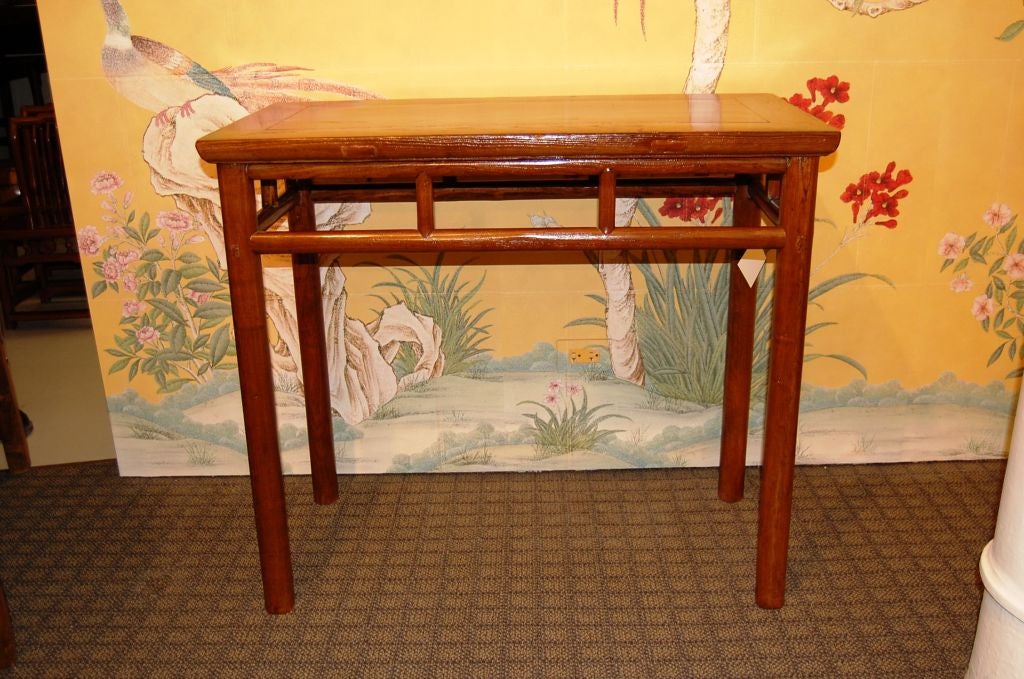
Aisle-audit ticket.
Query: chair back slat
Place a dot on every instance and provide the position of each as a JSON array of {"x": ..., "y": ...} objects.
[
  {"x": 38, "y": 253},
  {"x": 35, "y": 146}
]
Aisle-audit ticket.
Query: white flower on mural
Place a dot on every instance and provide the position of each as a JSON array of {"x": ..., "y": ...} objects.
[
  {"x": 952, "y": 245},
  {"x": 961, "y": 283},
  {"x": 998, "y": 215},
  {"x": 89, "y": 241},
  {"x": 982, "y": 307},
  {"x": 105, "y": 182},
  {"x": 1013, "y": 265}
]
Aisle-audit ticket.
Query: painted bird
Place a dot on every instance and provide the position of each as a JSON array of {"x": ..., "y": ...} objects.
[
  {"x": 157, "y": 77},
  {"x": 149, "y": 73}
]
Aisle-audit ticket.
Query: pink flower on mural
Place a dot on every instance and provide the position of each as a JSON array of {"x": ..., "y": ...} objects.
[
  {"x": 105, "y": 182},
  {"x": 998, "y": 215},
  {"x": 573, "y": 389},
  {"x": 952, "y": 245},
  {"x": 198, "y": 297},
  {"x": 550, "y": 399},
  {"x": 982, "y": 307},
  {"x": 130, "y": 282},
  {"x": 175, "y": 220},
  {"x": 961, "y": 283},
  {"x": 131, "y": 307},
  {"x": 995, "y": 257},
  {"x": 832, "y": 90},
  {"x": 89, "y": 241},
  {"x": 112, "y": 269},
  {"x": 555, "y": 386},
  {"x": 126, "y": 257},
  {"x": 147, "y": 334},
  {"x": 692, "y": 209},
  {"x": 1013, "y": 265}
]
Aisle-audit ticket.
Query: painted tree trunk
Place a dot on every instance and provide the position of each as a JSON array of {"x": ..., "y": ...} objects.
[{"x": 709, "y": 44}]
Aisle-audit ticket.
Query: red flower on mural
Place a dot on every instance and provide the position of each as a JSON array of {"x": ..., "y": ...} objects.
[
  {"x": 692, "y": 209},
  {"x": 832, "y": 90},
  {"x": 878, "y": 188}
]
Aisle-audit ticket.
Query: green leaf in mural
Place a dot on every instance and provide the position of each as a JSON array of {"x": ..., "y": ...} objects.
[
  {"x": 153, "y": 256},
  {"x": 119, "y": 364},
  {"x": 842, "y": 358},
  {"x": 996, "y": 354},
  {"x": 192, "y": 270},
  {"x": 1011, "y": 31},
  {"x": 819, "y": 326},
  {"x": 1019, "y": 372},
  {"x": 170, "y": 281},
  {"x": 995, "y": 266},
  {"x": 823, "y": 287},
  {"x": 204, "y": 285},
  {"x": 168, "y": 310},
  {"x": 178, "y": 337},
  {"x": 213, "y": 311},
  {"x": 596, "y": 321},
  {"x": 98, "y": 288},
  {"x": 219, "y": 345}
]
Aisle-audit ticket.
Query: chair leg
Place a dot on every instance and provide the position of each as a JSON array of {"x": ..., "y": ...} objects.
[
  {"x": 12, "y": 428},
  {"x": 6, "y": 632}
]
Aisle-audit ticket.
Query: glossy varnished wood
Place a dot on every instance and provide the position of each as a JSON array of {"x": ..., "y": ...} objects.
[
  {"x": 309, "y": 310},
  {"x": 238, "y": 206},
  {"x": 739, "y": 352},
  {"x": 757, "y": 149},
  {"x": 484, "y": 240},
  {"x": 785, "y": 366},
  {"x": 522, "y": 127}
]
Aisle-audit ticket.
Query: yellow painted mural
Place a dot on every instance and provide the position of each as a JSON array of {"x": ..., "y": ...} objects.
[{"x": 916, "y": 322}]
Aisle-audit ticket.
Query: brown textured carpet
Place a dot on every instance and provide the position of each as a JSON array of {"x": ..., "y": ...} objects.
[{"x": 591, "y": 574}]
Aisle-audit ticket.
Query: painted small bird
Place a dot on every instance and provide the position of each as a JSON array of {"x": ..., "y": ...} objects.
[
  {"x": 157, "y": 77},
  {"x": 149, "y": 73}
]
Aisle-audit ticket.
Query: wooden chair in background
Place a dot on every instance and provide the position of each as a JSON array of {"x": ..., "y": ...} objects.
[{"x": 38, "y": 249}]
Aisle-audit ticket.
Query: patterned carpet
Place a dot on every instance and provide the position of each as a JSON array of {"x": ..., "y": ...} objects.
[{"x": 558, "y": 574}]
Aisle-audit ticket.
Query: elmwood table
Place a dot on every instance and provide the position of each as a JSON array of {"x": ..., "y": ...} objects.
[{"x": 754, "y": 148}]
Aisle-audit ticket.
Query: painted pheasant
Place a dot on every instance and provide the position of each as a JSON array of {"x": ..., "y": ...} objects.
[{"x": 157, "y": 77}]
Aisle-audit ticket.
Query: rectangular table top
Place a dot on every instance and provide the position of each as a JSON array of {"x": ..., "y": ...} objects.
[{"x": 605, "y": 126}]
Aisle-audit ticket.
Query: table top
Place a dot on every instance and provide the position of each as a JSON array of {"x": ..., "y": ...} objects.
[{"x": 612, "y": 126}]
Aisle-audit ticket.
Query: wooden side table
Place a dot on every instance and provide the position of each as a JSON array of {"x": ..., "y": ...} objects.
[{"x": 755, "y": 148}]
